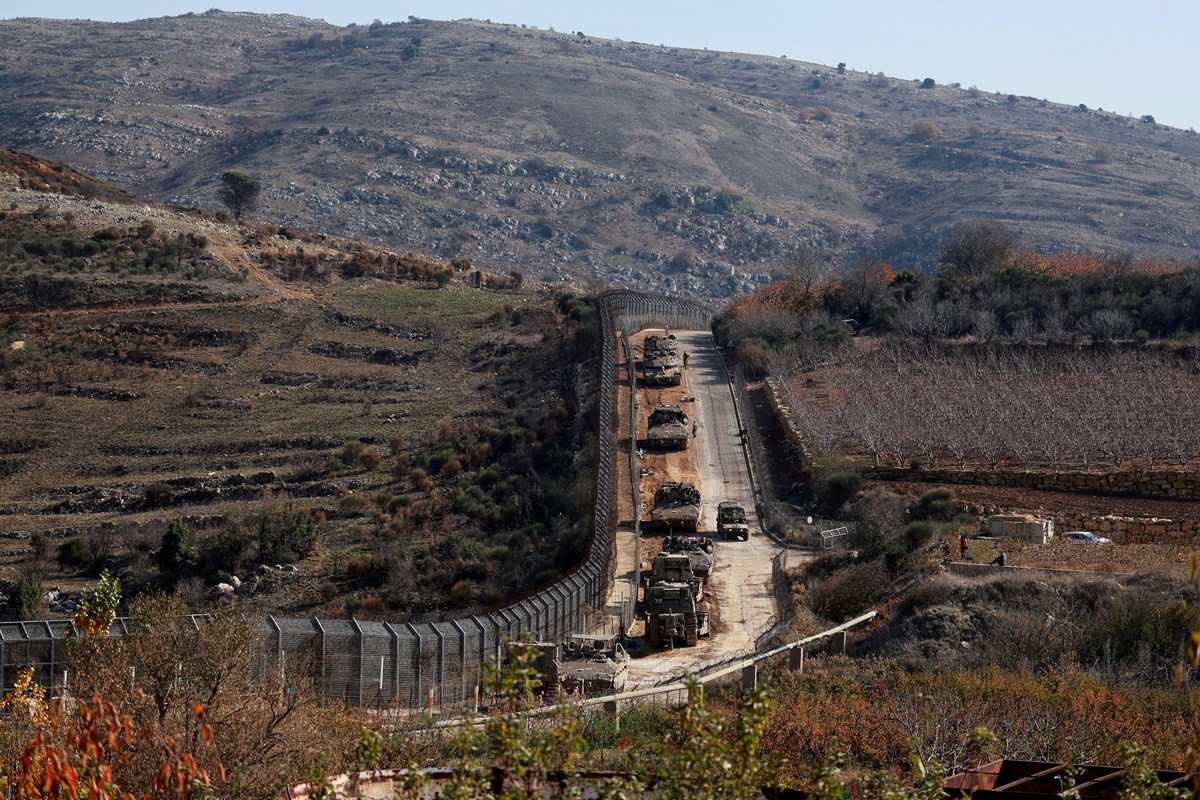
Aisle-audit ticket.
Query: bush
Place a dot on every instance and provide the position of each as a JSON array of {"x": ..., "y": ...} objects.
[
  {"x": 174, "y": 547},
  {"x": 924, "y": 129},
  {"x": 936, "y": 504},
  {"x": 26, "y": 595},
  {"x": 928, "y": 83},
  {"x": 917, "y": 535},
  {"x": 849, "y": 591},
  {"x": 75, "y": 553},
  {"x": 837, "y": 490}
]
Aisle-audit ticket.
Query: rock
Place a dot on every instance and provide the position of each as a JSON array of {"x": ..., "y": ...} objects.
[
  {"x": 263, "y": 569},
  {"x": 290, "y": 568},
  {"x": 248, "y": 587},
  {"x": 235, "y": 581},
  {"x": 222, "y": 590}
]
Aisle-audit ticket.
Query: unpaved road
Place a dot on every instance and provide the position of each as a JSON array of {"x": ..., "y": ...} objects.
[{"x": 739, "y": 591}]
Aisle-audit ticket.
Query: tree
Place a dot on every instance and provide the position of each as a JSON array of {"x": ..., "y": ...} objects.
[
  {"x": 975, "y": 248},
  {"x": 239, "y": 192},
  {"x": 928, "y": 83},
  {"x": 174, "y": 546}
]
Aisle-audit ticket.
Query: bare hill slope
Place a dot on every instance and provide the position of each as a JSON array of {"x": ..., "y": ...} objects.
[{"x": 574, "y": 157}]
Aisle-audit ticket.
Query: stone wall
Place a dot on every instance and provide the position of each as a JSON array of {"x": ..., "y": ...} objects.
[{"x": 1160, "y": 484}]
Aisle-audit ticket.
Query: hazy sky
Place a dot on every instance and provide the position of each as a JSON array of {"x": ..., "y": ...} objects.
[{"x": 1130, "y": 57}]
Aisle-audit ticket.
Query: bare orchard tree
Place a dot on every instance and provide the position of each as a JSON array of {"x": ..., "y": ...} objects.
[{"x": 808, "y": 267}]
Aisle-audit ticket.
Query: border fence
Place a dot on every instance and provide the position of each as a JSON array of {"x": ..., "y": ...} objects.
[{"x": 437, "y": 666}]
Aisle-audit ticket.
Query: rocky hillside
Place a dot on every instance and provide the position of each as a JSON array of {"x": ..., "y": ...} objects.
[{"x": 576, "y": 158}]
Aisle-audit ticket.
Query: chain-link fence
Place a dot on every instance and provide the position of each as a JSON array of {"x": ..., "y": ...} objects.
[{"x": 433, "y": 665}]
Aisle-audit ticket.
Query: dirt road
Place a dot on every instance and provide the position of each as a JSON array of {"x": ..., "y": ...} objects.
[{"x": 739, "y": 590}]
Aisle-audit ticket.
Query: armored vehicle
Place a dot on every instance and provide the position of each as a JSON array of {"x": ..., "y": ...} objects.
[
  {"x": 731, "y": 521},
  {"x": 671, "y": 615},
  {"x": 660, "y": 361},
  {"x": 668, "y": 427},
  {"x": 660, "y": 344},
  {"x": 676, "y": 506},
  {"x": 592, "y": 665},
  {"x": 674, "y": 568},
  {"x": 698, "y": 549}
]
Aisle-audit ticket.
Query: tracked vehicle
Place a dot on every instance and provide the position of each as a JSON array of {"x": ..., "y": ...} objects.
[
  {"x": 731, "y": 521},
  {"x": 676, "y": 507},
  {"x": 674, "y": 568},
  {"x": 672, "y": 616},
  {"x": 668, "y": 427},
  {"x": 592, "y": 665},
  {"x": 660, "y": 361},
  {"x": 698, "y": 549}
]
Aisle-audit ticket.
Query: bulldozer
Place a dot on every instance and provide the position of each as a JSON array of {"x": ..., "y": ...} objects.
[
  {"x": 668, "y": 427},
  {"x": 676, "y": 506},
  {"x": 672, "y": 616},
  {"x": 731, "y": 521}
]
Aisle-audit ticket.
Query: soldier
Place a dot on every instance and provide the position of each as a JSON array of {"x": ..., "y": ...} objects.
[{"x": 685, "y": 359}]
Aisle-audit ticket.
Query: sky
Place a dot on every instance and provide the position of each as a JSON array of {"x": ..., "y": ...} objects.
[{"x": 1133, "y": 58}]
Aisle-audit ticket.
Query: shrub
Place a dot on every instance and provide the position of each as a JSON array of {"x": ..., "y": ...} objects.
[
  {"x": 925, "y": 130},
  {"x": 928, "y": 83},
  {"x": 838, "y": 489},
  {"x": 174, "y": 546},
  {"x": 936, "y": 504},
  {"x": 26, "y": 595},
  {"x": 351, "y": 450},
  {"x": 157, "y": 495},
  {"x": 75, "y": 553},
  {"x": 849, "y": 591},
  {"x": 917, "y": 535}
]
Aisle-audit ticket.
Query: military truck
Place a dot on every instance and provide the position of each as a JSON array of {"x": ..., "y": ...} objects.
[
  {"x": 668, "y": 427},
  {"x": 671, "y": 615},
  {"x": 731, "y": 521},
  {"x": 592, "y": 664},
  {"x": 676, "y": 507}
]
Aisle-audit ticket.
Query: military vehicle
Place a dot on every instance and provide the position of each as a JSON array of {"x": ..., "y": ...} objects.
[
  {"x": 592, "y": 665},
  {"x": 668, "y": 427},
  {"x": 673, "y": 568},
  {"x": 698, "y": 549},
  {"x": 676, "y": 506},
  {"x": 660, "y": 344},
  {"x": 671, "y": 615},
  {"x": 731, "y": 521},
  {"x": 664, "y": 376},
  {"x": 660, "y": 361}
]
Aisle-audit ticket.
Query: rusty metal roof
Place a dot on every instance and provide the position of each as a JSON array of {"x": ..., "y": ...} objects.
[{"x": 1008, "y": 779}]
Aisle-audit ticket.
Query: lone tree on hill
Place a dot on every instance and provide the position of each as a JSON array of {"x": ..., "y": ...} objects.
[{"x": 239, "y": 192}]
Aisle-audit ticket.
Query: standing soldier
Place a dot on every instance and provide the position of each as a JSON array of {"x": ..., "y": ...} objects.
[{"x": 685, "y": 359}]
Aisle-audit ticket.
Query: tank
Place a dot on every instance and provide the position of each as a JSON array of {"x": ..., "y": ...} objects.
[
  {"x": 660, "y": 361},
  {"x": 672, "y": 616},
  {"x": 731, "y": 521},
  {"x": 676, "y": 507},
  {"x": 668, "y": 427},
  {"x": 660, "y": 344},
  {"x": 592, "y": 665}
]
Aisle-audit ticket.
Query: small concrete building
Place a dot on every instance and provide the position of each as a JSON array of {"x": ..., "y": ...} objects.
[{"x": 1022, "y": 526}]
